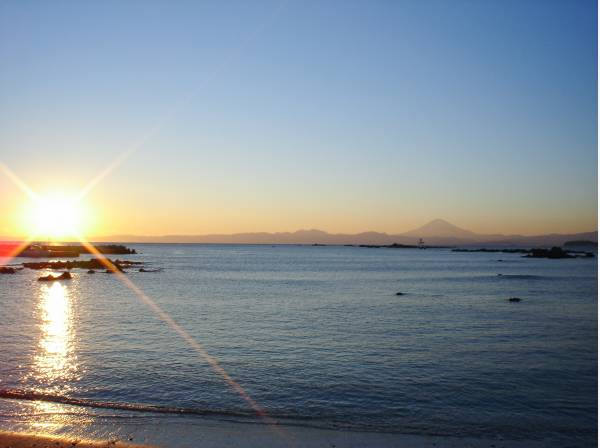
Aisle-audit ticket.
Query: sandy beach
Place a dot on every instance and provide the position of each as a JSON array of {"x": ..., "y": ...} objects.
[{"x": 26, "y": 440}]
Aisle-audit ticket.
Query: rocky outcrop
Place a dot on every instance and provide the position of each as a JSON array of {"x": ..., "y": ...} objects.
[
  {"x": 555, "y": 252},
  {"x": 50, "y": 278},
  {"x": 94, "y": 263},
  {"x": 70, "y": 250}
]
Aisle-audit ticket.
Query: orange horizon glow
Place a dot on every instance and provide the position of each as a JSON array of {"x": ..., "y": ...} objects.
[{"x": 95, "y": 219}]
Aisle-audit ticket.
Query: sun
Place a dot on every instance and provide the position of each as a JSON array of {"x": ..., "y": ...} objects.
[{"x": 54, "y": 216}]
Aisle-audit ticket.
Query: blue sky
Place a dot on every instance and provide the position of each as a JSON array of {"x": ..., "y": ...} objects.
[{"x": 274, "y": 116}]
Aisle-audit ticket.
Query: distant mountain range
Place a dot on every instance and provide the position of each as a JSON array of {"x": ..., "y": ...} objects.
[{"x": 437, "y": 232}]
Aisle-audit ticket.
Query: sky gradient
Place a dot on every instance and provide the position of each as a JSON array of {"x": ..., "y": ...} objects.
[{"x": 345, "y": 116}]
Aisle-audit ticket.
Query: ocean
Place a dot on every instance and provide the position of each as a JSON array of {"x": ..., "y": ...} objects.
[{"x": 315, "y": 337}]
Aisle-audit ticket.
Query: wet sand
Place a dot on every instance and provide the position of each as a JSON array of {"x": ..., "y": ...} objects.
[
  {"x": 24, "y": 440},
  {"x": 258, "y": 436}
]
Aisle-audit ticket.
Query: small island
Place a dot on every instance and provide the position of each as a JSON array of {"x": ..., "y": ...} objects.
[
  {"x": 37, "y": 250},
  {"x": 65, "y": 252},
  {"x": 553, "y": 253}
]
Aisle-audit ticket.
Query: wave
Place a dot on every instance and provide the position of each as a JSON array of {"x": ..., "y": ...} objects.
[
  {"x": 238, "y": 416},
  {"x": 521, "y": 276},
  {"x": 249, "y": 417},
  {"x": 18, "y": 394}
]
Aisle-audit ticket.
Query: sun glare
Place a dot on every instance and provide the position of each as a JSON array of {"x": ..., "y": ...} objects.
[{"x": 55, "y": 216}]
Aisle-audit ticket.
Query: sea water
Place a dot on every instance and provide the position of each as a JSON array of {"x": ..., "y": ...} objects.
[{"x": 314, "y": 336}]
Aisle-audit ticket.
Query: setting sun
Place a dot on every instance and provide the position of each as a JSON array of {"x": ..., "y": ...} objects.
[{"x": 55, "y": 216}]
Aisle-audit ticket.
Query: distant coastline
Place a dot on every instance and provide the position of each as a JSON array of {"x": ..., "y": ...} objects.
[{"x": 435, "y": 233}]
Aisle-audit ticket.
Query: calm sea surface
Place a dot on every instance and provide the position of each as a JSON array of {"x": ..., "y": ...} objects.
[{"x": 316, "y": 336}]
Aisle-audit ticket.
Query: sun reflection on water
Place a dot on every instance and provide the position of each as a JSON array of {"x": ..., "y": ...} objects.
[{"x": 55, "y": 360}]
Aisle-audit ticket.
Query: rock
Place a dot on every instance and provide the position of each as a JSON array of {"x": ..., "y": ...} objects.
[
  {"x": 399, "y": 293},
  {"x": 93, "y": 263},
  {"x": 46, "y": 278},
  {"x": 7, "y": 270},
  {"x": 91, "y": 271},
  {"x": 554, "y": 253},
  {"x": 504, "y": 251},
  {"x": 50, "y": 278},
  {"x": 514, "y": 299},
  {"x": 65, "y": 276}
]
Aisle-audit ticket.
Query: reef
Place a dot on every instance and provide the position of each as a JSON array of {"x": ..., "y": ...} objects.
[
  {"x": 36, "y": 250},
  {"x": 50, "y": 278},
  {"x": 92, "y": 264},
  {"x": 553, "y": 253}
]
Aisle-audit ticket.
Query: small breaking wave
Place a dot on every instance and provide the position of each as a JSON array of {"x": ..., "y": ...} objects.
[
  {"x": 18, "y": 394},
  {"x": 521, "y": 276}
]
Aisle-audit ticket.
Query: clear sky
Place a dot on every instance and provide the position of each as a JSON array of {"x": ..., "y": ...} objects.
[{"x": 278, "y": 115}]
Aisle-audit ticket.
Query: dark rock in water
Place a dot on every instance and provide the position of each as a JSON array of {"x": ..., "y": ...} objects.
[
  {"x": 93, "y": 263},
  {"x": 69, "y": 250},
  {"x": 554, "y": 253},
  {"x": 116, "y": 267},
  {"x": 399, "y": 293},
  {"x": 91, "y": 271},
  {"x": 7, "y": 270},
  {"x": 77, "y": 249},
  {"x": 47, "y": 278},
  {"x": 50, "y": 278},
  {"x": 504, "y": 251},
  {"x": 115, "y": 249},
  {"x": 514, "y": 299},
  {"x": 65, "y": 276},
  {"x": 150, "y": 270}
]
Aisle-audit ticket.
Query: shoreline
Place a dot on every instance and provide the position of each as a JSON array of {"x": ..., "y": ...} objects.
[
  {"x": 183, "y": 432},
  {"x": 240, "y": 436},
  {"x": 12, "y": 439}
]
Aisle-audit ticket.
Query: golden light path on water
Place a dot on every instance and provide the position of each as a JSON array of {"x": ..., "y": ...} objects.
[
  {"x": 55, "y": 361},
  {"x": 55, "y": 358}
]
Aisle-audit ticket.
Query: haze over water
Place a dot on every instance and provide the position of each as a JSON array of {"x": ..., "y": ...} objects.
[{"x": 318, "y": 337}]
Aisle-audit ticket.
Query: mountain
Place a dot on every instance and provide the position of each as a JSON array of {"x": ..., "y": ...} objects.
[
  {"x": 437, "y": 232},
  {"x": 439, "y": 228}
]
